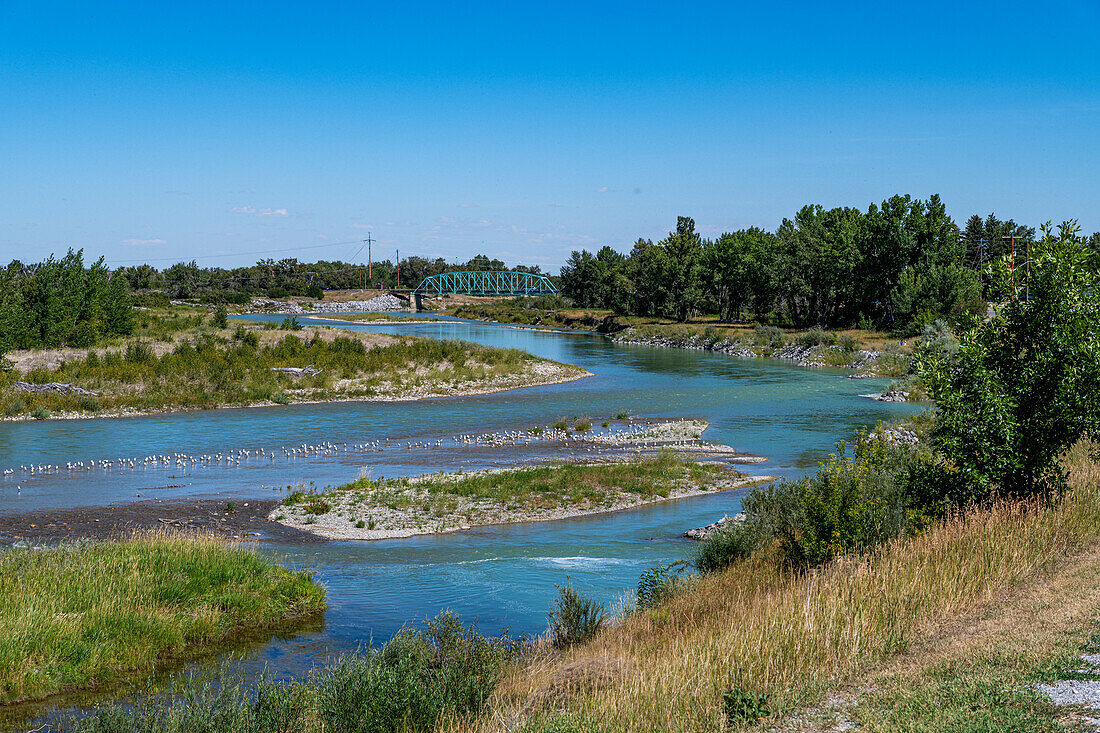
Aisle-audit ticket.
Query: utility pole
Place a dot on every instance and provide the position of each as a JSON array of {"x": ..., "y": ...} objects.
[{"x": 398, "y": 269}]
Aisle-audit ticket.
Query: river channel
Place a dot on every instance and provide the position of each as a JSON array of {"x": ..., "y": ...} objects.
[{"x": 503, "y": 577}]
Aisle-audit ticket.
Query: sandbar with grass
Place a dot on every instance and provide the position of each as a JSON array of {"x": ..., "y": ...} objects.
[
  {"x": 179, "y": 360},
  {"x": 368, "y": 509}
]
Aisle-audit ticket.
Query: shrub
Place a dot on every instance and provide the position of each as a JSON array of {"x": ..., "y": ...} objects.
[
  {"x": 657, "y": 584},
  {"x": 315, "y": 292},
  {"x": 721, "y": 549},
  {"x": 220, "y": 317},
  {"x": 741, "y": 707},
  {"x": 848, "y": 343},
  {"x": 89, "y": 404},
  {"x": 281, "y": 398},
  {"x": 816, "y": 337},
  {"x": 414, "y": 679},
  {"x": 40, "y": 413},
  {"x": 560, "y": 425},
  {"x": 574, "y": 618},
  {"x": 317, "y": 506},
  {"x": 291, "y": 324},
  {"x": 583, "y": 427},
  {"x": 770, "y": 336},
  {"x": 140, "y": 352},
  {"x": 852, "y": 503},
  {"x": 14, "y": 407}
]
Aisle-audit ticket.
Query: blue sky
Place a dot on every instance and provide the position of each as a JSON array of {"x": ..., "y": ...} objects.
[{"x": 223, "y": 132}]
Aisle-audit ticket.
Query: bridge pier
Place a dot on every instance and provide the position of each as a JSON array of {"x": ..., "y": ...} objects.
[{"x": 416, "y": 302}]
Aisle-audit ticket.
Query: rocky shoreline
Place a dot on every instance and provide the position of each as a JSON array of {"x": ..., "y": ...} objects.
[{"x": 862, "y": 361}]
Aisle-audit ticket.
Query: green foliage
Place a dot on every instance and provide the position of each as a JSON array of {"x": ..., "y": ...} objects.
[
  {"x": 743, "y": 707},
  {"x": 900, "y": 264},
  {"x": 14, "y": 407},
  {"x": 816, "y": 337},
  {"x": 851, "y": 504},
  {"x": 220, "y": 317},
  {"x": 290, "y": 323},
  {"x": 574, "y": 618},
  {"x": 772, "y": 336},
  {"x": 315, "y": 292},
  {"x": 735, "y": 541},
  {"x": 1023, "y": 386},
  {"x": 657, "y": 584},
  {"x": 40, "y": 413},
  {"x": 60, "y": 302}
]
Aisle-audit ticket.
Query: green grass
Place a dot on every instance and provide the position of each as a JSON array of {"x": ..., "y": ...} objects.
[
  {"x": 79, "y": 615},
  {"x": 547, "y": 486}
]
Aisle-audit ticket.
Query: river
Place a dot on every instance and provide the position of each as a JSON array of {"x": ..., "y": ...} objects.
[{"x": 502, "y": 577}]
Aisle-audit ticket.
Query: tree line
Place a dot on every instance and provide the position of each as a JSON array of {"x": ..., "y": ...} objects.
[
  {"x": 899, "y": 265},
  {"x": 61, "y": 302},
  {"x": 280, "y": 278}
]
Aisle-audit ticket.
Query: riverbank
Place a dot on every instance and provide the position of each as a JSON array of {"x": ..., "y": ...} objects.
[
  {"x": 448, "y": 502},
  {"x": 201, "y": 367},
  {"x": 867, "y": 354},
  {"x": 758, "y": 641},
  {"x": 78, "y": 616}
]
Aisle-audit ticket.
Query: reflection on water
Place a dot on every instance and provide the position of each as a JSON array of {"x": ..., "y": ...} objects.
[{"x": 503, "y": 576}]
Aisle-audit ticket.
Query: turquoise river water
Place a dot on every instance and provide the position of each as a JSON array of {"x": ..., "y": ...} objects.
[{"x": 503, "y": 577}]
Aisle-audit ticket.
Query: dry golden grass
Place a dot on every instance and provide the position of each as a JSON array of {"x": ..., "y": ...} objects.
[{"x": 793, "y": 636}]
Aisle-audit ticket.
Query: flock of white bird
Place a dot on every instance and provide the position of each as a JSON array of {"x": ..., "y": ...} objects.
[{"x": 235, "y": 457}]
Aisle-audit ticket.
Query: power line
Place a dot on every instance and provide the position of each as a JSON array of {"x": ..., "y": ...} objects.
[{"x": 233, "y": 254}]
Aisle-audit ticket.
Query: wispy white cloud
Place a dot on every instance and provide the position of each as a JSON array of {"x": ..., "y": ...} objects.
[
  {"x": 603, "y": 189},
  {"x": 142, "y": 242},
  {"x": 258, "y": 212}
]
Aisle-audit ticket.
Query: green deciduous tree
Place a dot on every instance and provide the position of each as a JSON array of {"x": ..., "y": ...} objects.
[{"x": 1024, "y": 385}]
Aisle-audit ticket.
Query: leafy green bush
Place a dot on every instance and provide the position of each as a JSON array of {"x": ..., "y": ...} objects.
[
  {"x": 574, "y": 618},
  {"x": 848, "y": 343},
  {"x": 415, "y": 679},
  {"x": 816, "y": 337},
  {"x": 740, "y": 707},
  {"x": 721, "y": 549},
  {"x": 220, "y": 317},
  {"x": 656, "y": 585},
  {"x": 851, "y": 504},
  {"x": 89, "y": 403},
  {"x": 14, "y": 407},
  {"x": 40, "y": 413},
  {"x": 291, "y": 323},
  {"x": 140, "y": 352},
  {"x": 770, "y": 336},
  {"x": 315, "y": 292}
]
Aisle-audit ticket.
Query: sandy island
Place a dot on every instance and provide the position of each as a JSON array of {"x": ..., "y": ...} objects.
[{"x": 408, "y": 509}]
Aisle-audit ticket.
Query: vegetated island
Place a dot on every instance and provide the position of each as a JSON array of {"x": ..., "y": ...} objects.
[
  {"x": 80, "y": 615},
  {"x": 368, "y": 509},
  {"x": 185, "y": 359}
]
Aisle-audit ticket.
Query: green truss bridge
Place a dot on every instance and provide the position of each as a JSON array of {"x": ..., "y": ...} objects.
[{"x": 485, "y": 283}]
